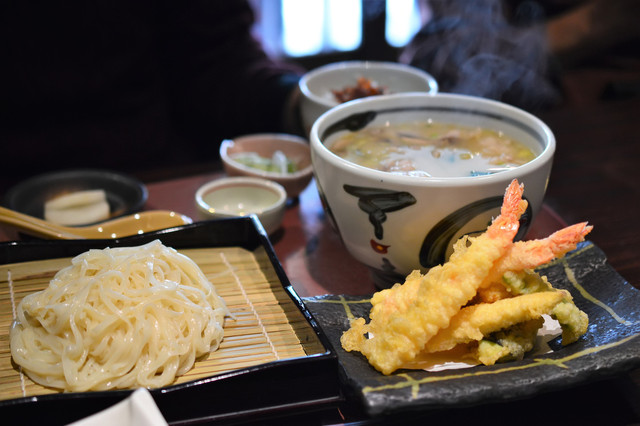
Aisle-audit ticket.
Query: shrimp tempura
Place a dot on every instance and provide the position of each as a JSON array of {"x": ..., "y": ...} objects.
[{"x": 399, "y": 328}]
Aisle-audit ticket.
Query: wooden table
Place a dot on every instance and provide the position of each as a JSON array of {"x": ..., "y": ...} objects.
[{"x": 596, "y": 177}]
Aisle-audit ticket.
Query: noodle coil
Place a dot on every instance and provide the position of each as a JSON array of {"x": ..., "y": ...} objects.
[{"x": 118, "y": 318}]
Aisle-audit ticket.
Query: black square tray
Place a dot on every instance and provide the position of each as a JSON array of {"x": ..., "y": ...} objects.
[{"x": 286, "y": 386}]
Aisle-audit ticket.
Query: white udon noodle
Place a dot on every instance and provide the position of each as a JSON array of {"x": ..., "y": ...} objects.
[{"x": 118, "y": 318}]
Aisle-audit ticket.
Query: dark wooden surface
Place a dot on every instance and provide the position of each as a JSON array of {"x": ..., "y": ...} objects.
[{"x": 596, "y": 177}]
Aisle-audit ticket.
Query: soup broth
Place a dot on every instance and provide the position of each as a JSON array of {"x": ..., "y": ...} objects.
[{"x": 432, "y": 149}]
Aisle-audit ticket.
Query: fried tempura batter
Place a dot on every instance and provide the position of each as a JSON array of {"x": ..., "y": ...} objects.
[
  {"x": 509, "y": 344},
  {"x": 476, "y": 321},
  {"x": 486, "y": 287}
]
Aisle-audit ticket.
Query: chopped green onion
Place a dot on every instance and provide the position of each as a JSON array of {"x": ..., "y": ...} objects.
[{"x": 278, "y": 163}]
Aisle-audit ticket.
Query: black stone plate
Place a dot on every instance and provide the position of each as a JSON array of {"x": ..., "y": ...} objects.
[{"x": 610, "y": 346}]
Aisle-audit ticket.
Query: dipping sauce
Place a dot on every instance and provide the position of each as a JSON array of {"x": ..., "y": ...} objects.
[
  {"x": 240, "y": 200},
  {"x": 436, "y": 149}
]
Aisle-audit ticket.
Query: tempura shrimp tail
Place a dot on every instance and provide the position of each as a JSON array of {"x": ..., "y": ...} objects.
[
  {"x": 397, "y": 333},
  {"x": 507, "y": 223},
  {"x": 533, "y": 253}
]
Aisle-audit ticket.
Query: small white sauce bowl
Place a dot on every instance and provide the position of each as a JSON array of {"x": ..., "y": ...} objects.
[{"x": 243, "y": 196}]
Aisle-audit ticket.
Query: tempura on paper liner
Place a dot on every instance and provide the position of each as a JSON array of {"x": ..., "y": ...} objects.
[{"x": 486, "y": 301}]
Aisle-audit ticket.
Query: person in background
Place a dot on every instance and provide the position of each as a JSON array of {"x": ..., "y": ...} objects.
[
  {"x": 132, "y": 86},
  {"x": 520, "y": 51}
]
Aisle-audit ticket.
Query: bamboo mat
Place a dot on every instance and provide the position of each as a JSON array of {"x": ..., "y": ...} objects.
[{"x": 265, "y": 325}]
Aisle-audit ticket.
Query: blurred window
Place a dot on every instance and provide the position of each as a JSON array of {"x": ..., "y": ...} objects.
[
  {"x": 402, "y": 21},
  {"x": 302, "y": 28}
]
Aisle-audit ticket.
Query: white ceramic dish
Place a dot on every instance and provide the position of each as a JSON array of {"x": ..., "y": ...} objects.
[
  {"x": 295, "y": 148},
  {"x": 243, "y": 196},
  {"x": 316, "y": 86},
  {"x": 395, "y": 224}
]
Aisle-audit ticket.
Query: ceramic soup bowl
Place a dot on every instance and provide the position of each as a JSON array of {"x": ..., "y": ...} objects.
[{"x": 396, "y": 223}]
